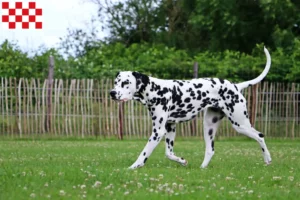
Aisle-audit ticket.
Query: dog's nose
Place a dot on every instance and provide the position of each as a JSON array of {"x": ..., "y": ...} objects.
[{"x": 113, "y": 94}]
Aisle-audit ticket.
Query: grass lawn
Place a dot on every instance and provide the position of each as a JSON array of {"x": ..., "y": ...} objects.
[{"x": 90, "y": 169}]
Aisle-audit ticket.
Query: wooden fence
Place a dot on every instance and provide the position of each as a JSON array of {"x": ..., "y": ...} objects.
[{"x": 82, "y": 108}]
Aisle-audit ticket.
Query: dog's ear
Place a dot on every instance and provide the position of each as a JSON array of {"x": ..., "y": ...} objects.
[
  {"x": 138, "y": 77},
  {"x": 141, "y": 81}
]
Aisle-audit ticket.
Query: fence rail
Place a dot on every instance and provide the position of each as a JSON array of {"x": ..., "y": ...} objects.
[{"x": 83, "y": 108}]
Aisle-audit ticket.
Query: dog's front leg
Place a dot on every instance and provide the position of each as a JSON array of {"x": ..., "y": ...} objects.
[{"x": 158, "y": 132}]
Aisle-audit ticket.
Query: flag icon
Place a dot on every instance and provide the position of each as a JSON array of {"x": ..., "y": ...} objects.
[{"x": 20, "y": 14}]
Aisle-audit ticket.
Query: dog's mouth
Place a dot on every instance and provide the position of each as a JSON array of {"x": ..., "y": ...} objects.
[{"x": 120, "y": 100}]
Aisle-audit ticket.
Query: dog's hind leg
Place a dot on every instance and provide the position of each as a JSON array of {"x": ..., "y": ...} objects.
[
  {"x": 170, "y": 140},
  {"x": 258, "y": 136},
  {"x": 211, "y": 122},
  {"x": 240, "y": 122}
]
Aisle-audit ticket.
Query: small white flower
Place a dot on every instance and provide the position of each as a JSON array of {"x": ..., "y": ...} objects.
[
  {"x": 174, "y": 185},
  {"x": 276, "y": 178},
  {"x": 126, "y": 193},
  {"x": 161, "y": 176},
  {"x": 46, "y": 184},
  {"x": 82, "y": 187},
  {"x": 32, "y": 195},
  {"x": 62, "y": 193},
  {"x": 139, "y": 185},
  {"x": 180, "y": 187},
  {"x": 97, "y": 184}
]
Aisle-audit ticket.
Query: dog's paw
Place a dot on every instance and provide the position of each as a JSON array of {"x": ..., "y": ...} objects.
[
  {"x": 135, "y": 166},
  {"x": 185, "y": 163},
  {"x": 268, "y": 162},
  {"x": 267, "y": 159},
  {"x": 203, "y": 166}
]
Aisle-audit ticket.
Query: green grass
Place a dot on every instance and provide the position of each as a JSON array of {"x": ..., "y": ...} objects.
[{"x": 87, "y": 169}]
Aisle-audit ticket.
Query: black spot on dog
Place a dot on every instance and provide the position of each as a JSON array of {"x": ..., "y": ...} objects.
[
  {"x": 187, "y": 100},
  {"x": 197, "y": 86},
  {"x": 172, "y": 143},
  {"x": 124, "y": 83},
  {"x": 263, "y": 149},
  {"x": 213, "y": 145},
  {"x": 210, "y": 132},
  {"x": 167, "y": 140},
  {"x": 213, "y": 81},
  {"x": 261, "y": 135},
  {"x": 236, "y": 87},
  {"x": 168, "y": 128},
  {"x": 145, "y": 160},
  {"x": 144, "y": 153},
  {"x": 161, "y": 120},
  {"x": 214, "y": 120},
  {"x": 162, "y": 92}
]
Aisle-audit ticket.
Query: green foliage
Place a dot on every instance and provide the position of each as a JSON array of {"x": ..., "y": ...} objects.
[
  {"x": 156, "y": 60},
  {"x": 16, "y": 63},
  {"x": 164, "y": 38},
  {"x": 194, "y": 25},
  {"x": 13, "y": 62}
]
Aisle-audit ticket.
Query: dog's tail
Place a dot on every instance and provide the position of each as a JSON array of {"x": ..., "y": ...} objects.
[{"x": 260, "y": 77}]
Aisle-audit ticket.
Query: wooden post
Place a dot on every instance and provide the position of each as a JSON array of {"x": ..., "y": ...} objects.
[
  {"x": 49, "y": 94},
  {"x": 253, "y": 105},
  {"x": 121, "y": 117},
  {"x": 196, "y": 70},
  {"x": 194, "y": 122}
]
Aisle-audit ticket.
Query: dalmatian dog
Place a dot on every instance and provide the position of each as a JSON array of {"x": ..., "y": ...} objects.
[{"x": 173, "y": 101}]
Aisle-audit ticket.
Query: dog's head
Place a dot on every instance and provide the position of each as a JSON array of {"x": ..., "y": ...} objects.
[{"x": 127, "y": 84}]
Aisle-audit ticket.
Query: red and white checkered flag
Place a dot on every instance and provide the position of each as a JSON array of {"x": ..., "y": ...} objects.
[{"x": 24, "y": 15}]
